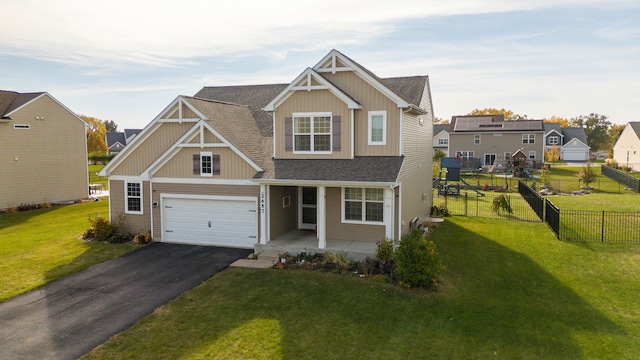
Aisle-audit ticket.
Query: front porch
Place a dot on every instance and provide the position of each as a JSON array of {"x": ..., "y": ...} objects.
[{"x": 297, "y": 241}]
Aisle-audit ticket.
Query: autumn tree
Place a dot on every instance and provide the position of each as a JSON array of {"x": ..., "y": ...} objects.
[
  {"x": 614, "y": 133},
  {"x": 553, "y": 154},
  {"x": 437, "y": 120},
  {"x": 595, "y": 128},
  {"x": 110, "y": 125},
  {"x": 564, "y": 123},
  {"x": 96, "y": 132},
  {"x": 508, "y": 114}
]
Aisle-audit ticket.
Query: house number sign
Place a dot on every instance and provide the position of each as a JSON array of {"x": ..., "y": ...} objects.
[{"x": 262, "y": 202}]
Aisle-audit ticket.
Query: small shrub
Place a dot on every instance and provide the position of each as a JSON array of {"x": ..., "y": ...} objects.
[
  {"x": 587, "y": 175},
  {"x": 440, "y": 210},
  {"x": 417, "y": 262},
  {"x": 342, "y": 260},
  {"x": 501, "y": 203},
  {"x": 329, "y": 257},
  {"x": 101, "y": 229},
  {"x": 380, "y": 278},
  {"x": 142, "y": 238},
  {"x": 118, "y": 239},
  {"x": 384, "y": 250},
  {"x": 367, "y": 267}
]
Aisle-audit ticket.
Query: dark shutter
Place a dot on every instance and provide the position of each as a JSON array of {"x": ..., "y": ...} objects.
[
  {"x": 196, "y": 164},
  {"x": 215, "y": 159},
  {"x": 336, "y": 131},
  {"x": 288, "y": 134}
]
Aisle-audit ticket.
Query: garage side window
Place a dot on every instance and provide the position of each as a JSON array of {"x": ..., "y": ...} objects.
[
  {"x": 206, "y": 164},
  {"x": 133, "y": 197}
]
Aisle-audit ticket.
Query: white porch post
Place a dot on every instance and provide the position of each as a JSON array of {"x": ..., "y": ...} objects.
[
  {"x": 264, "y": 206},
  {"x": 321, "y": 222},
  {"x": 387, "y": 213}
]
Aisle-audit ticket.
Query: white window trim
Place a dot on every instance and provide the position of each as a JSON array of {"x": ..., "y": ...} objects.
[
  {"x": 364, "y": 207},
  {"x": 210, "y": 155},
  {"x": 534, "y": 154},
  {"x": 530, "y": 138},
  {"x": 384, "y": 128},
  {"x": 126, "y": 198},
  {"x": 312, "y": 115},
  {"x": 554, "y": 140},
  {"x": 477, "y": 139},
  {"x": 443, "y": 141}
]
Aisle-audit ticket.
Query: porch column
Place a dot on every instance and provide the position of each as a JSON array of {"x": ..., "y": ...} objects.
[
  {"x": 264, "y": 219},
  {"x": 321, "y": 222},
  {"x": 387, "y": 213}
]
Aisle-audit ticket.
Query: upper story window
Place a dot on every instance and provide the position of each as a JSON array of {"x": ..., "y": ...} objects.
[
  {"x": 377, "y": 128},
  {"x": 312, "y": 132},
  {"x": 206, "y": 164},
  {"x": 476, "y": 139},
  {"x": 554, "y": 140},
  {"x": 528, "y": 138},
  {"x": 443, "y": 141},
  {"x": 133, "y": 197}
]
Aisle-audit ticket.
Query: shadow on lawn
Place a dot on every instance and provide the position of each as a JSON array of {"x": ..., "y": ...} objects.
[{"x": 12, "y": 219}]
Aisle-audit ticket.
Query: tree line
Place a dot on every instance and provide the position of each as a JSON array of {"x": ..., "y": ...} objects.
[
  {"x": 96, "y": 133},
  {"x": 600, "y": 132}
]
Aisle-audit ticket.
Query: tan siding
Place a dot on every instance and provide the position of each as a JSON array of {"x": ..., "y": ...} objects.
[
  {"x": 314, "y": 101},
  {"x": 209, "y": 138},
  {"x": 129, "y": 223},
  {"x": 187, "y": 113},
  {"x": 196, "y": 189},
  {"x": 492, "y": 144},
  {"x": 336, "y": 230},
  {"x": 283, "y": 219},
  {"x": 232, "y": 166},
  {"x": 371, "y": 100},
  {"x": 165, "y": 135},
  {"x": 51, "y": 163}
]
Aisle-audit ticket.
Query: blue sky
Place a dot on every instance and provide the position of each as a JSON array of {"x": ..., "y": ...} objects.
[{"x": 126, "y": 60}]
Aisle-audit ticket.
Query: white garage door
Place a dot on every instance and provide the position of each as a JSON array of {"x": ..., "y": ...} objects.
[
  {"x": 575, "y": 155},
  {"x": 231, "y": 222}
]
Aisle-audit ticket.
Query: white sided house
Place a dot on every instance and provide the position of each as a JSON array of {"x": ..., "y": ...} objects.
[{"x": 626, "y": 150}]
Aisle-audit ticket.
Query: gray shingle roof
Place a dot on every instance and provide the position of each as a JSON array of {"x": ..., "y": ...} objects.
[
  {"x": 383, "y": 169},
  {"x": 635, "y": 125},
  {"x": 574, "y": 133},
  {"x": 11, "y": 100},
  {"x": 549, "y": 126},
  {"x": 113, "y": 137},
  {"x": 409, "y": 88},
  {"x": 438, "y": 128}
]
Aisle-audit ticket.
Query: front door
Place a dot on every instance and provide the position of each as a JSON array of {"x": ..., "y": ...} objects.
[{"x": 308, "y": 207}]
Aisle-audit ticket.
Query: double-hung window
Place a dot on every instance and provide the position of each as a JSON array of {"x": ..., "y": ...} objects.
[
  {"x": 476, "y": 139},
  {"x": 206, "y": 164},
  {"x": 312, "y": 132},
  {"x": 443, "y": 141},
  {"x": 377, "y": 128},
  {"x": 363, "y": 204},
  {"x": 528, "y": 138},
  {"x": 554, "y": 140},
  {"x": 133, "y": 197}
]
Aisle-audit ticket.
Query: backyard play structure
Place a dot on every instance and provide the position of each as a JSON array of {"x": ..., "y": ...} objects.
[{"x": 452, "y": 166}]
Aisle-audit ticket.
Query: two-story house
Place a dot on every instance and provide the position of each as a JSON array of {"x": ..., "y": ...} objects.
[
  {"x": 338, "y": 151},
  {"x": 492, "y": 139},
  {"x": 626, "y": 150},
  {"x": 570, "y": 142},
  {"x": 43, "y": 151},
  {"x": 117, "y": 140},
  {"x": 441, "y": 138}
]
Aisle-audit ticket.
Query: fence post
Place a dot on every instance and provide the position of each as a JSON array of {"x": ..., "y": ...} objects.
[
  {"x": 602, "y": 229},
  {"x": 466, "y": 205}
]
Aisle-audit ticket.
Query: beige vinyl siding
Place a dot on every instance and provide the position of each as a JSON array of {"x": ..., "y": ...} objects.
[
  {"x": 283, "y": 219},
  {"x": 187, "y": 113},
  {"x": 371, "y": 100},
  {"x": 313, "y": 101},
  {"x": 337, "y": 230},
  {"x": 129, "y": 223},
  {"x": 195, "y": 189},
  {"x": 416, "y": 173},
  {"x": 51, "y": 163},
  {"x": 492, "y": 143},
  {"x": 232, "y": 166},
  {"x": 164, "y": 135}
]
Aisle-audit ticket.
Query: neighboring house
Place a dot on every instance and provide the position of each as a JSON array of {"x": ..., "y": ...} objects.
[
  {"x": 571, "y": 142},
  {"x": 338, "y": 150},
  {"x": 43, "y": 151},
  {"x": 441, "y": 138},
  {"x": 116, "y": 141},
  {"x": 492, "y": 139},
  {"x": 626, "y": 150}
]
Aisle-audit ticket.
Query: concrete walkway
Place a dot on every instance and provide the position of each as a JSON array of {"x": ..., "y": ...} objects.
[{"x": 66, "y": 319}]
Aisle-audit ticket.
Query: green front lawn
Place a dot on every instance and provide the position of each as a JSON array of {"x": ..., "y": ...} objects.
[
  {"x": 95, "y": 179},
  {"x": 40, "y": 246},
  {"x": 509, "y": 292}
]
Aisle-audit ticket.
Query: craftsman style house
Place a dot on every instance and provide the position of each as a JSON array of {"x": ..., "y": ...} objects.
[
  {"x": 626, "y": 151},
  {"x": 43, "y": 148},
  {"x": 492, "y": 139},
  {"x": 570, "y": 142},
  {"x": 338, "y": 151}
]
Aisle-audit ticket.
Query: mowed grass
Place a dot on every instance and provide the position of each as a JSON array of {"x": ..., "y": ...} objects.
[
  {"x": 95, "y": 179},
  {"x": 510, "y": 291},
  {"x": 40, "y": 246}
]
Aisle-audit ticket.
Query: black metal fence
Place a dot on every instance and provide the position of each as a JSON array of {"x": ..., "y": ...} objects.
[
  {"x": 621, "y": 177},
  {"x": 596, "y": 225},
  {"x": 532, "y": 198},
  {"x": 473, "y": 204},
  {"x": 552, "y": 217}
]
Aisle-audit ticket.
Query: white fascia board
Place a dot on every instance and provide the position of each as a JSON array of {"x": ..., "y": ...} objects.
[
  {"x": 553, "y": 130},
  {"x": 52, "y": 98},
  {"x": 364, "y": 75},
  {"x": 203, "y": 181},
  {"x": 576, "y": 140},
  {"x": 325, "y": 183},
  {"x": 309, "y": 74}
]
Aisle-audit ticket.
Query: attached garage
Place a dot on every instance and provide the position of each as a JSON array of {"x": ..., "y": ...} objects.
[
  {"x": 213, "y": 220},
  {"x": 575, "y": 155}
]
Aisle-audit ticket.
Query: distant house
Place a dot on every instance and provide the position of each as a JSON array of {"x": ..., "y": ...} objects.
[
  {"x": 441, "y": 138},
  {"x": 626, "y": 150},
  {"x": 571, "y": 142},
  {"x": 338, "y": 152},
  {"x": 43, "y": 151},
  {"x": 116, "y": 141},
  {"x": 492, "y": 139}
]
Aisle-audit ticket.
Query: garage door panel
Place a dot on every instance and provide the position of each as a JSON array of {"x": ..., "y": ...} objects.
[{"x": 222, "y": 222}]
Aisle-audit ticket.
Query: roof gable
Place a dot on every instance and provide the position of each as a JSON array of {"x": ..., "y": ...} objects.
[{"x": 635, "y": 125}]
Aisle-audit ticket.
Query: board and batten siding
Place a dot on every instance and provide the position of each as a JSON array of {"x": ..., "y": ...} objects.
[
  {"x": 283, "y": 218},
  {"x": 187, "y": 113},
  {"x": 313, "y": 101},
  {"x": 337, "y": 230},
  {"x": 45, "y": 163},
  {"x": 164, "y": 136},
  {"x": 371, "y": 100},
  {"x": 196, "y": 189},
  {"x": 232, "y": 166},
  {"x": 129, "y": 223}
]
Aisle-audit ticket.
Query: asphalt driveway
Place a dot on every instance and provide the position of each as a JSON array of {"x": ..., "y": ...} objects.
[{"x": 67, "y": 318}]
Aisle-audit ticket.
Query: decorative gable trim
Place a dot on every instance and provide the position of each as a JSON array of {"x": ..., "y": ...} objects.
[
  {"x": 335, "y": 61},
  {"x": 553, "y": 131},
  {"x": 574, "y": 140},
  {"x": 310, "y": 80},
  {"x": 177, "y": 107}
]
